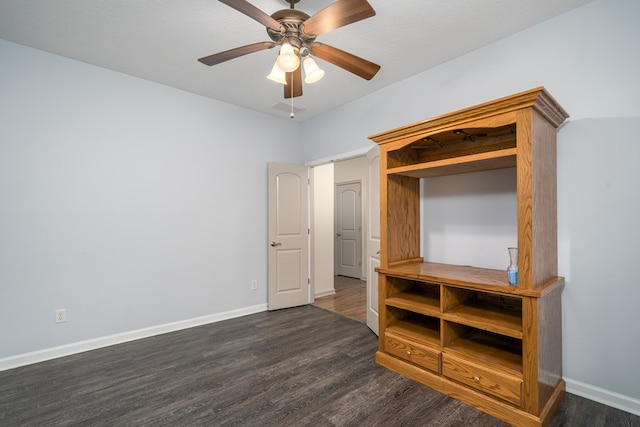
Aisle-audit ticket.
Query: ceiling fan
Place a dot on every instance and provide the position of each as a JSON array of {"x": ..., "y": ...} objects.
[{"x": 296, "y": 33}]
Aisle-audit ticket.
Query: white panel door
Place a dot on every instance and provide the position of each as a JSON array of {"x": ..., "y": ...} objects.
[
  {"x": 373, "y": 238},
  {"x": 349, "y": 230},
  {"x": 288, "y": 236}
]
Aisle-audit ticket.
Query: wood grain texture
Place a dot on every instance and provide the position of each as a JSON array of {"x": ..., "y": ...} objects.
[
  {"x": 537, "y": 98},
  {"x": 480, "y": 279},
  {"x": 248, "y": 371},
  {"x": 549, "y": 340},
  {"x": 490, "y": 381},
  {"x": 403, "y": 217},
  {"x": 544, "y": 196},
  {"x": 524, "y": 200}
]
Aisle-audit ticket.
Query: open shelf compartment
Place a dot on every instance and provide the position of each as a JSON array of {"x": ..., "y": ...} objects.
[
  {"x": 501, "y": 314},
  {"x": 413, "y": 326},
  {"x": 415, "y": 296},
  {"x": 455, "y": 146},
  {"x": 488, "y": 348}
]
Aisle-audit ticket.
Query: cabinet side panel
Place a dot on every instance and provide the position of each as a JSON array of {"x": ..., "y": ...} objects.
[
  {"x": 544, "y": 198},
  {"x": 530, "y": 362},
  {"x": 549, "y": 343},
  {"x": 382, "y": 309},
  {"x": 525, "y": 199},
  {"x": 403, "y": 218}
]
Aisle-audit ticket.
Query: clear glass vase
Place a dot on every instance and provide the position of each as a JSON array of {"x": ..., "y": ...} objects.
[{"x": 512, "y": 270}]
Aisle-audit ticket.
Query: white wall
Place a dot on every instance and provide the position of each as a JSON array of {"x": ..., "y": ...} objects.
[
  {"x": 588, "y": 60},
  {"x": 128, "y": 203},
  {"x": 322, "y": 267},
  {"x": 482, "y": 204}
]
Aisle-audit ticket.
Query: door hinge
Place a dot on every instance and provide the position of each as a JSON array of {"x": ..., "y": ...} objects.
[{"x": 308, "y": 231}]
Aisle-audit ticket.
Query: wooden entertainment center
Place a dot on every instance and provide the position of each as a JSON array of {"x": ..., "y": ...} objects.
[{"x": 462, "y": 330}]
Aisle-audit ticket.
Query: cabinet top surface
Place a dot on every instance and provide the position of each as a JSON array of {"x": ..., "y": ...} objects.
[
  {"x": 537, "y": 98},
  {"x": 483, "y": 279}
]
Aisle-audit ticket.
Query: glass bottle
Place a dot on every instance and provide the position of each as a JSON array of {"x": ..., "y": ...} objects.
[{"x": 512, "y": 270}]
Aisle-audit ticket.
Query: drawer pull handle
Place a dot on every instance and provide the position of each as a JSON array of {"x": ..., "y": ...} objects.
[
  {"x": 408, "y": 353},
  {"x": 476, "y": 379}
]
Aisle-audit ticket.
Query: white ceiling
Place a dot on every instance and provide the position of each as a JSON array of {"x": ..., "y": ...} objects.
[{"x": 162, "y": 40}]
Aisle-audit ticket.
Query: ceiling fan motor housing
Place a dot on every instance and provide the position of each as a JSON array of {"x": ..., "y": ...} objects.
[{"x": 292, "y": 22}]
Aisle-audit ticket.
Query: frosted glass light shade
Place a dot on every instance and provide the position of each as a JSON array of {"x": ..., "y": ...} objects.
[
  {"x": 277, "y": 75},
  {"x": 288, "y": 61},
  {"x": 312, "y": 72}
]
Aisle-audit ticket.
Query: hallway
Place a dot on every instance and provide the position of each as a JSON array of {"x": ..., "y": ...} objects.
[{"x": 349, "y": 300}]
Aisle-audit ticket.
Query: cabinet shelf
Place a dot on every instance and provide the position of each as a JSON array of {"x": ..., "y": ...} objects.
[
  {"x": 416, "y": 303},
  {"x": 499, "y": 159},
  {"x": 504, "y": 323},
  {"x": 501, "y": 314},
  {"x": 475, "y": 278}
]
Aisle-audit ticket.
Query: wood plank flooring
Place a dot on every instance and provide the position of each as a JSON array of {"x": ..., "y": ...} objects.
[
  {"x": 303, "y": 366},
  {"x": 349, "y": 300}
]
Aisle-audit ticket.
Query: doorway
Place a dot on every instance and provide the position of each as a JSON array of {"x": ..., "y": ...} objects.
[{"x": 362, "y": 168}]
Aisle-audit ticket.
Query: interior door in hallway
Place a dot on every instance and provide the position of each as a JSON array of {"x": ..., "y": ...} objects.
[
  {"x": 349, "y": 230},
  {"x": 288, "y": 236}
]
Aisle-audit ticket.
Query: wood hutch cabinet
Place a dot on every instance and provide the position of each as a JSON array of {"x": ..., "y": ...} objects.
[{"x": 462, "y": 330}]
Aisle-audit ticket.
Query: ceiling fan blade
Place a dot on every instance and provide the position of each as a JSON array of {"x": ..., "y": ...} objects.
[
  {"x": 353, "y": 64},
  {"x": 253, "y": 12},
  {"x": 217, "y": 58},
  {"x": 294, "y": 83},
  {"x": 338, "y": 14}
]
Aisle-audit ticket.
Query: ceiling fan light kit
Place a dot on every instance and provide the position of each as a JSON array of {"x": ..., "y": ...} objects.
[
  {"x": 295, "y": 32},
  {"x": 288, "y": 60},
  {"x": 277, "y": 75},
  {"x": 312, "y": 72}
]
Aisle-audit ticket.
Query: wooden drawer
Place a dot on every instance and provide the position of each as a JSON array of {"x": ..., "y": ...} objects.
[
  {"x": 412, "y": 352},
  {"x": 489, "y": 381}
]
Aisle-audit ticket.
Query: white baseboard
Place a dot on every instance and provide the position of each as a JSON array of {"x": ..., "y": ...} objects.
[
  {"x": 606, "y": 397},
  {"x": 82, "y": 346},
  {"x": 324, "y": 293}
]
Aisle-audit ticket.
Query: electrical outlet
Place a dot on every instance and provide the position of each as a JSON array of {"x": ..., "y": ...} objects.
[
  {"x": 61, "y": 315},
  {"x": 254, "y": 284}
]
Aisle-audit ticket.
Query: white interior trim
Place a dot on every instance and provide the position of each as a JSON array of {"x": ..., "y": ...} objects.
[
  {"x": 338, "y": 157},
  {"x": 325, "y": 293},
  {"x": 93, "y": 344},
  {"x": 606, "y": 397}
]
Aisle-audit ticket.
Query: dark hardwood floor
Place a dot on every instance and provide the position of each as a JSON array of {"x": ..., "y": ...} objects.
[{"x": 303, "y": 366}]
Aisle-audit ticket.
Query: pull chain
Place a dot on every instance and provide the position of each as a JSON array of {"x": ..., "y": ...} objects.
[{"x": 292, "y": 116}]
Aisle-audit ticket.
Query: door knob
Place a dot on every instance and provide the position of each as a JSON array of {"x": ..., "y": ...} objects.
[{"x": 274, "y": 244}]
